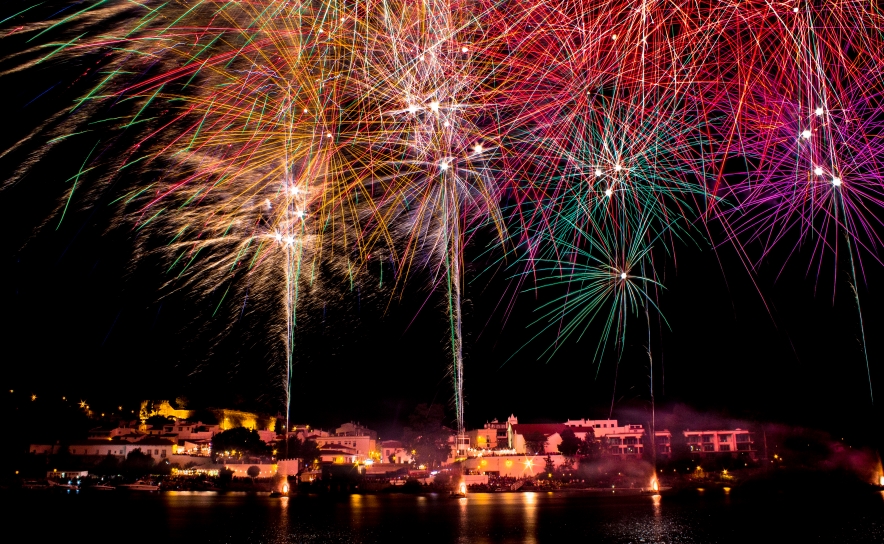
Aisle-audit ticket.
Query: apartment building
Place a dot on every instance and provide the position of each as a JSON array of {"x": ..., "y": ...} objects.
[{"x": 731, "y": 442}]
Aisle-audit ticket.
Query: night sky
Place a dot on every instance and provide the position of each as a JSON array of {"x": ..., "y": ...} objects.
[{"x": 83, "y": 318}]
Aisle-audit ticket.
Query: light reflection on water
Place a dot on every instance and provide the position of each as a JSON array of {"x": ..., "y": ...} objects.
[
  {"x": 529, "y": 507},
  {"x": 656, "y": 522},
  {"x": 463, "y": 519},
  {"x": 480, "y": 518},
  {"x": 283, "y": 513}
]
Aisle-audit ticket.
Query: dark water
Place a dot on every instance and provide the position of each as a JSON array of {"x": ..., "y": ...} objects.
[{"x": 516, "y": 517}]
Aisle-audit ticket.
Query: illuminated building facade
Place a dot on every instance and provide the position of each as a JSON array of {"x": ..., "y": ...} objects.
[
  {"x": 187, "y": 430},
  {"x": 158, "y": 448},
  {"x": 512, "y": 466},
  {"x": 620, "y": 440},
  {"x": 393, "y": 451},
  {"x": 339, "y": 454},
  {"x": 349, "y": 438},
  {"x": 733, "y": 442},
  {"x": 492, "y": 435}
]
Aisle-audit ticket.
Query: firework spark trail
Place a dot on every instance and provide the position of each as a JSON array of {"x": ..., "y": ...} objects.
[
  {"x": 271, "y": 139},
  {"x": 429, "y": 114},
  {"x": 599, "y": 275},
  {"x": 812, "y": 131},
  {"x": 246, "y": 147},
  {"x": 620, "y": 140}
]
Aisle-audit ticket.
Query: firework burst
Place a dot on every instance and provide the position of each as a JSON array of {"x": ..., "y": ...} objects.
[{"x": 270, "y": 144}]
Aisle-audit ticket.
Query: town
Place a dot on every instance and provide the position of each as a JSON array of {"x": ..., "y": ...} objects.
[{"x": 176, "y": 448}]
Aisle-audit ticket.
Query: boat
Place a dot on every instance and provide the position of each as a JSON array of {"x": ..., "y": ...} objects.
[
  {"x": 69, "y": 485},
  {"x": 141, "y": 485},
  {"x": 35, "y": 484},
  {"x": 102, "y": 487}
]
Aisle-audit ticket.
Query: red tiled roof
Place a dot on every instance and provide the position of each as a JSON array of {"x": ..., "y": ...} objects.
[{"x": 546, "y": 429}]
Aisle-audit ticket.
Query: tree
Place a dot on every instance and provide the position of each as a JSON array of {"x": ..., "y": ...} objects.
[
  {"x": 62, "y": 458},
  {"x": 535, "y": 442},
  {"x": 164, "y": 468},
  {"x": 431, "y": 449},
  {"x": 549, "y": 466},
  {"x": 108, "y": 466},
  {"x": 303, "y": 450},
  {"x": 205, "y": 416},
  {"x": 137, "y": 464},
  {"x": 425, "y": 435},
  {"x": 590, "y": 448},
  {"x": 225, "y": 476},
  {"x": 238, "y": 442},
  {"x": 570, "y": 444},
  {"x": 426, "y": 417},
  {"x": 158, "y": 421},
  {"x": 253, "y": 472}
]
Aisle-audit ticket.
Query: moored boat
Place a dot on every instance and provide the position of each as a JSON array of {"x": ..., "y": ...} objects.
[
  {"x": 64, "y": 485},
  {"x": 141, "y": 485}
]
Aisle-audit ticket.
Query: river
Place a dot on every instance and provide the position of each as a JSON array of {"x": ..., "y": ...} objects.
[{"x": 193, "y": 517}]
